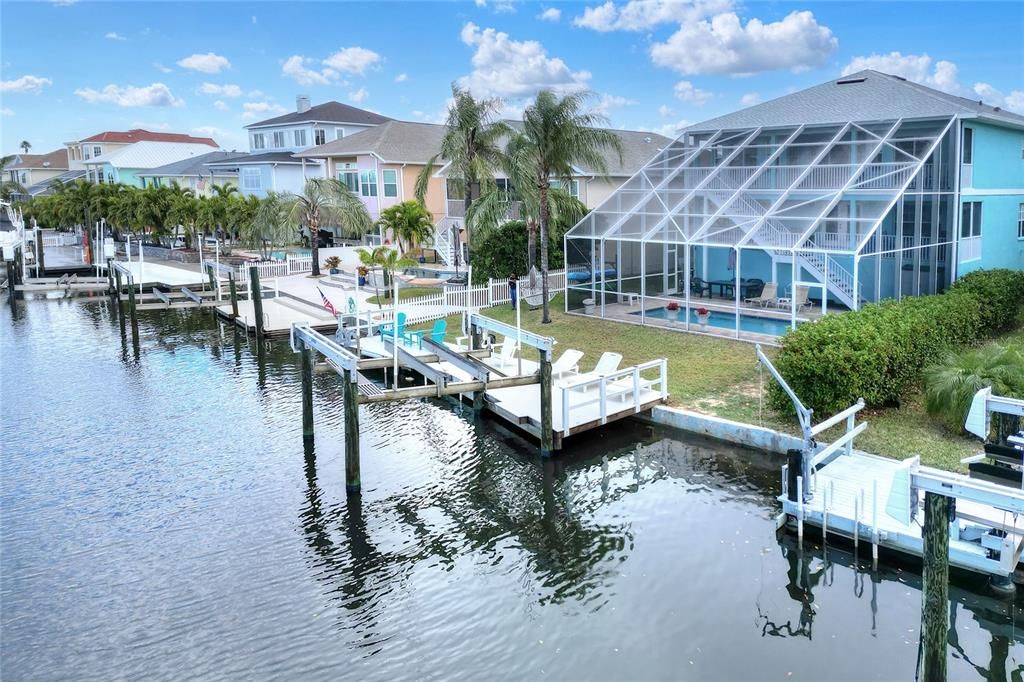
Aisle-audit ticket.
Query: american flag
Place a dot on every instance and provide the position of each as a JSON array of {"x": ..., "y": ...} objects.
[{"x": 327, "y": 302}]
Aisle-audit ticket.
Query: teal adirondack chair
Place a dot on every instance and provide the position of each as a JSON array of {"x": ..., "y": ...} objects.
[
  {"x": 437, "y": 334},
  {"x": 396, "y": 330}
]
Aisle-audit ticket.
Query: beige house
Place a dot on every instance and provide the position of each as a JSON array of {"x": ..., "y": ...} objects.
[
  {"x": 382, "y": 164},
  {"x": 34, "y": 169}
]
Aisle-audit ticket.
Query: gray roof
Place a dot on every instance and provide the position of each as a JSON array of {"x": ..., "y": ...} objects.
[
  {"x": 393, "y": 142},
  {"x": 194, "y": 166},
  {"x": 328, "y": 112},
  {"x": 863, "y": 96},
  {"x": 407, "y": 142},
  {"x": 47, "y": 186},
  {"x": 256, "y": 159}
]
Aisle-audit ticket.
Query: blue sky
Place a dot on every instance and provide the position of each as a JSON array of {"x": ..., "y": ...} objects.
[{"x": 74, "y": 68}]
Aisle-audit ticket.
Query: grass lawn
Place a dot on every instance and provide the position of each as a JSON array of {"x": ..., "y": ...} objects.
[
  {"x": 720, "y": 377},
  {"x": 406, "y": 293}
]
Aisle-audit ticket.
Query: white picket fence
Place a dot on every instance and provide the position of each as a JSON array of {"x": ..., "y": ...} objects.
[{"x": 276, "y": 268}]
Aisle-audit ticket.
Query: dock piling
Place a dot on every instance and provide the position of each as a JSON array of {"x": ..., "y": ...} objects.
[
  {"x": 935, "y": 588},
  {"x": 110, "y": 277},
  {"x": 234, "y": 295},
  {"x": 40, "y": 258},
  {"x": 134, "y": 317},
  {"x": 257, "y": 299},
  {"x": 307, "y": 393},
  {"x": 547, "y": 435},
  {"x": 350, "y": 398}
]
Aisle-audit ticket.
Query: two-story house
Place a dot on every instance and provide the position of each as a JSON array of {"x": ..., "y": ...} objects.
[
  {"x": 34, "y": 169},
  {"x": 96, "y": 154},
  {"x": 194, "y": 173},
  {"x": 271, "y": 166}
]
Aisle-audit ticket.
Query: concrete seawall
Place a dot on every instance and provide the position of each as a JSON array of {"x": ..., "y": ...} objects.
[{"x": 738, "y": 433}]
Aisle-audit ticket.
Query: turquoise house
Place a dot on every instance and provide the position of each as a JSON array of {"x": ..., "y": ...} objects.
[{"x": 855, "y": 190}]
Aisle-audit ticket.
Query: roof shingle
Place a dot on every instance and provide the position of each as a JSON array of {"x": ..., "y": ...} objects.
[
  {"x": 140, "y": 135},
  {"x": 328, "y": 112}
]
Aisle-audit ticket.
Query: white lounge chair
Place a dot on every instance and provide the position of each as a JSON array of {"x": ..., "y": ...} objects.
[
  {"x": 606, "y": 364},
  {"x": 567, "y": 363},
  {"x": 768, "y": 296},
  {"x": 508, "y": 352}
]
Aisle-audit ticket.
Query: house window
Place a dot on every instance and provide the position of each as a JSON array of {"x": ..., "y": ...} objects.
[
  {"x": 1020, "y": 222},
  {"x": 339, "y": 133},
  {"x": 390, "y": 183},
  {"x": 252, "y": 179},
  {"x": 970, "y": 219},
  {"x": 96, "y": 151},
  {"x": 278, "y": 139},
  {"x": 86, "y": 150},
  {"x": 319, "y": 136},
  {"x": 368, "y": 183},
  {"x": 574, "y": 187},
  {"x": 258, "y": 141},
  {"x": 968, "y": 154},
  {"x": 350, "y": 179},
  {"x": 300, "y": 138}
]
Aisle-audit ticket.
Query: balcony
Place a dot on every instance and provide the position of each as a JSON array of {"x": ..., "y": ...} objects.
[{"x": 457, "y": 209}]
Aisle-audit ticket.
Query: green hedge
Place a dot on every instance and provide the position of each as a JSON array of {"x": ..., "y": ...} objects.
[{"x": 879, "y": 351}]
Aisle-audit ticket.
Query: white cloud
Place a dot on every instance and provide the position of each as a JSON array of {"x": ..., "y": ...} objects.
[
  {"x": 6, "y": 111},
  {"x": 750, "y": 99},
  {"x": 354, "y": 60},
  {"x": 915, "y": 67},
  {"x": 217, "y": 90},
  {"x": 665, "y": 111},
  {"x": 668, "y": 129},
  {"x": 294, "y": 68},
  {"x": 113, "y": 35},
  {"x": 504, "y": 8},
  {"x": 990, "y": 95},
  {"x": 608, "y": 102},
  {"x": 480, "y": 3},
  {"x": 686, "y": 91},
  {"x": 401, "y": 78},
  {"x": 641, "y": 15},
  {"x": 254, "y": 110},
  {"x": 358, "y": 96},
  {"x": 550, "y": 14},
  {"x": 27, "y": 83},
  {"x": 220, "y": 105},
  {"x": 161, "y": 67},
  {"x": 511, "y": 68},
  {"x": 724, "y": 45},
  {"x": 205, "y": 63},
  {"x": 63, "y": 3},
  {"x": 208, "y": 131},
  {"x": 155, "y": 95}
]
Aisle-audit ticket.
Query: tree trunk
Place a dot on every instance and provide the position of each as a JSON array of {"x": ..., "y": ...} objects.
[
  {"x": 546, "y": 318},
  {"x": 531, "y": 243},
  {"x": 314, "y": 246},
  {"x": 467, "y": 202}
]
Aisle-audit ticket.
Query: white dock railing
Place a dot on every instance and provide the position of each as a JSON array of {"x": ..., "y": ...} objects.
[{"x": 625, "y": 386}]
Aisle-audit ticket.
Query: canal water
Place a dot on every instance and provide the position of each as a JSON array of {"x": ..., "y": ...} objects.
[{"x": 162, "y": 520}]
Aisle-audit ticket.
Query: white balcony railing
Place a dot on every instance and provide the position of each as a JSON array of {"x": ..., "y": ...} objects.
[{"x": 970, "y": 248}]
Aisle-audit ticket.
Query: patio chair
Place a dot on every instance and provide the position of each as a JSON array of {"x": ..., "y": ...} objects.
[
  {"x": 768, "y": 296},
  {"x": 802, "y": 300},
  {"x": 508, "y": 352},
  {"x": 396, "y": 330},
  {"x": 437, "y": 334},
  {"x": 567, "y": 363},
  {"x": 698, "y": 286},
  {"x": 606, "y": 364}
]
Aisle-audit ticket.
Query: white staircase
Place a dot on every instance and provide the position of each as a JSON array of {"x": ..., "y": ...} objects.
[{"x": 443, "y": 242}]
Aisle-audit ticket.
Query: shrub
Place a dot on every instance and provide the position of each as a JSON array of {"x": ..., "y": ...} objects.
[
  {"x": 502, "y": 251},
  {"x": 951, "y": 384},
  {"x": 1001, "y": 294},
  {"x": 875, "y": 353}
]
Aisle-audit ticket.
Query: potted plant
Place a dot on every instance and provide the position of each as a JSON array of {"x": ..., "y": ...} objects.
[
  {"x": 332, "y": 263},
  {"x": 362, "y": 271},
  {"x": 673, "y": 310},
  {"x": 703, "y": 314}
]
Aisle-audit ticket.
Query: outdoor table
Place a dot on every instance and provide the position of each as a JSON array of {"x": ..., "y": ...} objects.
[{"x": 727, "y": 287}]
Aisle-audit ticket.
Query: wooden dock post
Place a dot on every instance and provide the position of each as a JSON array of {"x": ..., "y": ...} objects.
[
  {"x": 19, "y": 270},
  {"x": 110, "y": 277},
  {"x": 547, "y": 435},
  {"x": 350, "y": 397},
  {"x": 213, "y": 283},
  {"x": 257, "y": 299},
  {"x": 40, "y": 258},
  {"x": 134, "y": 317},
  {"x": 234, "y": 295},
  {"x": 307, "y": 392},
  {"x": 935, "y": 588},
  {"x": 11, "y": 282}
]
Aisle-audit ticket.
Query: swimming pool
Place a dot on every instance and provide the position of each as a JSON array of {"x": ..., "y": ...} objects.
[
  {"x": 294, "y": 253},
  {"x": 748, "y": 323}
]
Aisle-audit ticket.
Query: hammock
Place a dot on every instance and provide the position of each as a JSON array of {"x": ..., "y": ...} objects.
[{"x": 533, "y": 291}]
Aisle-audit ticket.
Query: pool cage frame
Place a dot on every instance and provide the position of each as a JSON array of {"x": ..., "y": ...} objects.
[{"x": 824, "y": 199}]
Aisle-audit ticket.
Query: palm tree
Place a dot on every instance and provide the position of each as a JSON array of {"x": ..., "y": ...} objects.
[
  {"x": 557, "y": 135},
  {"x": 25, "y": 146},
  {"x": 327, "y": 201},
  {"x": 409, "y": 222},
  {"x": 951, "y": 384},
  {"x": 388, "y": 260},
  {"x": 224, "y": 190},
  {"x": 470, "y": 146}
]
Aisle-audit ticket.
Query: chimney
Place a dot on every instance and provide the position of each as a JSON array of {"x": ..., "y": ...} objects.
[{"x": 302, "y": 104}]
